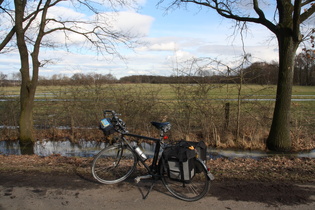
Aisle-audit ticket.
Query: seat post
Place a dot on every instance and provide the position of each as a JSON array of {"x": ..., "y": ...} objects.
[
  {"x": 156, "y": 156},
  {"x": 161, "y": 134}
]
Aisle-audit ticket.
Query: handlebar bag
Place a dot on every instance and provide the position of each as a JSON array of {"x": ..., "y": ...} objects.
[{"x": 107, "y": 127}]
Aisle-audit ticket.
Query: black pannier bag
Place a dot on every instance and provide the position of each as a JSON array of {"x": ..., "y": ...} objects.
[
  {"x": 107, "y": 127},
  {"x": 201, "y": 148},
  {"x": 180, "y": 161}
]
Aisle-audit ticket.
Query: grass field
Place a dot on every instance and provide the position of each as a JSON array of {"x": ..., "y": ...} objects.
[
  {"x": 196, "y": 111},
  {"x": 167, "y": 91}
]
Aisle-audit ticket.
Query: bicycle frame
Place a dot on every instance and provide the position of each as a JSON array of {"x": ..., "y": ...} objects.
[
  {"x": 196, "y": 188},
  {"x": 153, "y": 168}
]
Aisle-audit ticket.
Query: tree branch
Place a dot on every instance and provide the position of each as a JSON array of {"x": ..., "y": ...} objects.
[
  {"x": 307, "y": 13},
  {"x": 103, "y": 38},
  {"x": 31, "y": 17},
  {"x": 258, "y": 10},
  {"x": 307, "y": 2},
  {"x": 98, "y": 34},
  {"x": 296, "y": 20},
  {"x": 224, "y": 10},
  {"x": 7, "y": 38}
]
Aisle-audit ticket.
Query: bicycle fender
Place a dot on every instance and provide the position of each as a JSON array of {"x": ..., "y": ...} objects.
[
  {"x": 209, "y": 174},
  {"x": 211, "y": 177}
]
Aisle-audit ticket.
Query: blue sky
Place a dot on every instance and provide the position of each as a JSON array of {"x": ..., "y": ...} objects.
[{"x": 170, "y": 38}]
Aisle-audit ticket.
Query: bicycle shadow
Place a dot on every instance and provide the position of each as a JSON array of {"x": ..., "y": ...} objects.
[
  {"x": 272, "y": 194},
  {"x": 269, "y": 193},
  {"x": 145, "y": 187}
]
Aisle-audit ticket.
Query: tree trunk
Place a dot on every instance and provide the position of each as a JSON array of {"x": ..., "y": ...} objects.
[
  {"x": 26, "y": 116},
  {"x": 27, "y": 91},
  {"x": 279, "y": 138}
]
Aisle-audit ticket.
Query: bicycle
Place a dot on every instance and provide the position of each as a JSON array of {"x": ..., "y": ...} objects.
[{"x": 117, "y": 162}]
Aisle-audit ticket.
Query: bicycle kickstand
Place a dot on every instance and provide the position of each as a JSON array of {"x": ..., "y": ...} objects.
[{"x": 138, "y": 179}]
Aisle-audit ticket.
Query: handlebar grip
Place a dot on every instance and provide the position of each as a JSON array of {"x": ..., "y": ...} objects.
[
  {"x": 114, "y": 114},
  {"x": 111, "y": 111},
  {"x": 118, "y": 122}
]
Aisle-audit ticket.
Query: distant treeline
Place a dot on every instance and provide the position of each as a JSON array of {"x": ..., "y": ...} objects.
[{"x": 258, "y": 73}]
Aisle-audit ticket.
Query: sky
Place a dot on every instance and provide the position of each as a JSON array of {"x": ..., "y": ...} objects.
[{"x": 168, "y": 38}]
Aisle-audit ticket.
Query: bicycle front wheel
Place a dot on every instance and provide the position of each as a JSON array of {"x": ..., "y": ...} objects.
[
  {"x": 114, "y": 164},
  {"x": 193, "y": 190}
]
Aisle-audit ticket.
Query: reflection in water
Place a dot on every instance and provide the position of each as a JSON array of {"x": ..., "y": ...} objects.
[
  {"x": 67, "y": 148},
  {"x": 91, "y": 148},
  {"x": 46, "y": 148},
  {"x": 217, "y": 153},
  {"x": 10, "y": 148}
]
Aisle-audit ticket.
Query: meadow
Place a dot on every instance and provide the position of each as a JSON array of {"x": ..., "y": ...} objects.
[{"x": 223, "y": 115}]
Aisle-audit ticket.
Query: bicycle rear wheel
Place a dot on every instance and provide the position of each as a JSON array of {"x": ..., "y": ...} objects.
[
  {"x": 193, "y": 190},
  {"x": 114, "y": 164}
]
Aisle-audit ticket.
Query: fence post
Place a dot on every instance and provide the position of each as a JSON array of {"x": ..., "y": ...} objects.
[{"x": 227, "y": 114}]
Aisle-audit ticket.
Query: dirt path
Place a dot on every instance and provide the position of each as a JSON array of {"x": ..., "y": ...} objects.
[{"x": 45, "y": 191}]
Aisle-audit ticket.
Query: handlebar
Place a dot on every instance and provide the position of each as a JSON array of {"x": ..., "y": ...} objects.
[
  {"x": 110, "y": 111},
  {"x": 118, "y": 123}
]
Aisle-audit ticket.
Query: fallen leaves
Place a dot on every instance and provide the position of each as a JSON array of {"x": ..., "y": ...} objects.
[
  {"x": 266, "y": 169},
  {"x": 271, "y": 169},
  {"x": 53, "y": 163}
]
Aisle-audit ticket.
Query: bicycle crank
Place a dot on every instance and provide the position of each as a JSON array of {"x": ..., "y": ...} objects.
[{"x": 138, "y": 179}]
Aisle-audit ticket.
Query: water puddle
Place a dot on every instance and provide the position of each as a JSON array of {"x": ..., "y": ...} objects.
[
  {"x": 217, "y": 153},
  {"x": 46, "y": 148},
  {"x": 90, "y": 148}
]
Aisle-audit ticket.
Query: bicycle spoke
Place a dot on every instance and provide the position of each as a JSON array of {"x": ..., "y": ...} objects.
[
  {"x": 197, "y": 187},
  {"x": 113, "y": 165}
]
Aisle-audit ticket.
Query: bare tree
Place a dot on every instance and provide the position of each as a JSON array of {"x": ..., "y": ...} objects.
[
  {"x": 31, "y": 22},
  {"x": 285, "y": 24},
  {"x": 304, "y": 67},
  {"x": 3, "y": 76}
]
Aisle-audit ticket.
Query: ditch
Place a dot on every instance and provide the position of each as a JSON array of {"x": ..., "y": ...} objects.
[{"x": 90, "y": 148}]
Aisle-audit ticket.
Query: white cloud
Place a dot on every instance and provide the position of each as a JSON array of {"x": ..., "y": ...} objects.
[
  {"x": 65, "y": 13},
  {"x": 168, "y": 43},
  {"x": 181, "y": 55},
  {"x": 128, "y": 22},
  {"x": 132, "y": 22},
  {"x": 168, "y": 46},
  {"x": 129, "y": 5}
]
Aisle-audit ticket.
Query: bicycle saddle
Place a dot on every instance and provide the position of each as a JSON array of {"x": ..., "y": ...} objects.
[{"x": 164, "y": 126}]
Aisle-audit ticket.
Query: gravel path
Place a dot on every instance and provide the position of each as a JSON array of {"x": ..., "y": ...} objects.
[{"x": 34, "y": 191}]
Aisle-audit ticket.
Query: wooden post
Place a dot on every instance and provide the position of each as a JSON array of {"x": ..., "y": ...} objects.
[{"x": 227, "y": 114}]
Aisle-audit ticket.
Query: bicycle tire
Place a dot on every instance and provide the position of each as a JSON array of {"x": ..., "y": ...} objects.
[
  {"x": 194, "y": 190},
  {"x": 114, "y": 164}
]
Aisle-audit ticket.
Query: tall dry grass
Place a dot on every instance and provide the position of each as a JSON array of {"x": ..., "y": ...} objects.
[{"x": 196, "y": 112}]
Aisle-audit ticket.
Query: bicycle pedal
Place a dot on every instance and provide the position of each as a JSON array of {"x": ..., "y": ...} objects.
[{"x": 138, "y": 179}]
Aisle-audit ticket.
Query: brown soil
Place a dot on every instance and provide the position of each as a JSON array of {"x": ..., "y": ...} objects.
[{"x": 55, "y": 182}]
